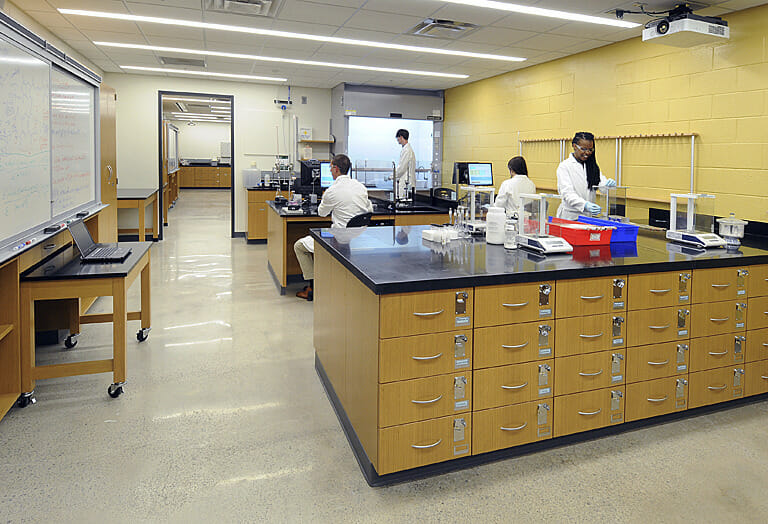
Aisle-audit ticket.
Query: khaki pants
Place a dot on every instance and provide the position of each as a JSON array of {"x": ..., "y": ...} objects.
[{"x": 305, "y": 253}]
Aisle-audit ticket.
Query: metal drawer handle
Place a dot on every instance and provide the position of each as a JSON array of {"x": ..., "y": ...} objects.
[
  {"x": 721, "y": 285},
  {"x": 591, "y": 374},
  {"x": 521, "y": 386},
  {"x": 657, "y": 399},
  {"x": 515, "y": 347},
  {"x": 719, "y": 319},
  {"x": 588, "y": 413},
  {"x": 428, "y": 358},
  {"x": 765, "y": 344},
  {"x": 592, "y": 336},
  {"x": 596, "y": 297},
  {"x": 427, "y": 446},
  {"x": 659, "y": 327},
  {"x": 659, "y": 290},
  {"x": 427, "y": 401},
  {"x": 518, "y": 428},
  {"x": 429, "y": 314},
  {"x": 658, "y": 363},
  {"x": 717, "y": 354},
  {"x": 50, "y": 246},
  {"x": 516, "y": 305},
  {"x": 763, "y": 377},
  {"x": 716, "y": 388}
]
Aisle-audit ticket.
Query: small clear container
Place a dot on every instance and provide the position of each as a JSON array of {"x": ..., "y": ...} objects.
[
  {"x": 732, "y": 230},
  {"x": 510, "y": 234}
]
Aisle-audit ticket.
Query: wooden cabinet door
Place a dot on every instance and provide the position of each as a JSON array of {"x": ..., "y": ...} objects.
[
  {"x": 108, "y": 141},
  {"x": 590, "y": 410},
  {"x": 717, "y": 351},
  {"x": 424, "y": 398},
  {"x": 503, "y": 345},
  {"x": 757, "y": 313},
  {"x": 515, "y": 303},
  {"x": 657, "y": 361},
  {"x": 655, "y": 290},
  {"x": 413, "y": 445},
  {"x": 420, "y": 356},
  {"x": 757, "y": 378},
  {"x": 716, "y": 318},
  {"x": 516, "y": 384},
  {"x": 757, "y": 345},
  {"x": 715, "y": 385},
  {"x": 758, "y": 280},
  {"x": 713, "y": 285},
  {"x": 656, "y": 397},
  {"x": 591, "y": 371},
  {"x": 654, "y": 326},
  {"x": 591, "y": 296},
  {"x": 510, "y": 426},
  {"x": 589, "y": 334},
  {"x": 404, "y": 314}
]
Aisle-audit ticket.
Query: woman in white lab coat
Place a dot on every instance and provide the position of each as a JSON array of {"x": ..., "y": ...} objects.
[
  {"x": 578, "y": 176},
  {"x": 511, "y": 189}
]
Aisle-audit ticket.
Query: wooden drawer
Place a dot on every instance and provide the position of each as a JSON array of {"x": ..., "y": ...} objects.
[
  {"x": 497, "y": 305},
  {"x": 653, "y": 326},
  {"x": 757, "y": 313},
  {"x": 406, "y": 314},
  {"x": 424, "y": 398},
  {"x": 717, "y": 351},
  {"x": 655, "y": 290},
  {"x": 656, "y": 397},
  {"x": 713, "y": 285},
  {"x": 657, "y": 361},
  {"x": 502, "y": 345},
  {"x": 590, "y": 334},
  {"x": 413, "y": 445},
  {"x": 717, "y": 318},
  {"x": 424, "y": 355},
  {"x": 44, "y": 249},
  {"x": 757, "y": 345},
  {"x": 591, "y": 371},
  {"x": 757, "y": 378},
  {"x": 590, "y": 410},
  {"x": 502, "y": 386},
  {"x": 590, "y": 296},
  {"x": 758, "y": 280},
  {"x": 714, "y": 385},
  {"x": 511, "y": 426}
]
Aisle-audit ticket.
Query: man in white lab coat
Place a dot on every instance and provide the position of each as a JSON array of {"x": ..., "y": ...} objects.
[
  {"x": 511, "y": 189},
  {"x": 346, "y": 198},
  {"x": 578, "y": 176},
  {"x": 405, "y": 172}
]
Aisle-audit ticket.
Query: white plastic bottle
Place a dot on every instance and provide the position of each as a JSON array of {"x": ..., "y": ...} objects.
[{"x": 495, "y": 220}]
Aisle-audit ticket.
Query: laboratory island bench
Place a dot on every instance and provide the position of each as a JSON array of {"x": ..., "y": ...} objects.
[{"x": 441, "y": 357}]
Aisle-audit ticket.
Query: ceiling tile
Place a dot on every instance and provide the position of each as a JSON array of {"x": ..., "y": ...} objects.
[
  {"x": 169, "y": 3},
  {"x": 473, "y": 15},
  {"x": 304, "y": 27},
  {"x": 223, "y": 38},
  {"x": 361, "y": 34},
  {"x": 421, "y": 41},
  {"x": 50, "y": 19},
  {"x": 374, "y": 20},
  {"x": 112, "y": 6},
  {"x": 538, "y": 24},
  {"x": 500, "y": 36},
  {"x": 109, "y": 36},
  {"x": 36, "y": 5},
  {"x": 285, "y": 52},
  {"x": 68, "y": 35},
  {"x": 549, "y": 42},
  {"x": 342, "y": 3},
  {"x": 213, "y": 17},
  {"x": 186, "y": 33},
  {"x": 101, "y": 24},
  {"x": 599, "y": 32},
  {"x": 301, "y": 11},
  {"x": 163, "y": 11},
  {"x": 404, "y": 7}
]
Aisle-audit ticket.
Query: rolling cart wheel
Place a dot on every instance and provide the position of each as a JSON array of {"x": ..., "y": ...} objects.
[
  {"x": 25, "y": 399},
  {"x": 142, "y": 334},
  {"x": 70, "y": 341},
  {"x": 115, "y": 390}
]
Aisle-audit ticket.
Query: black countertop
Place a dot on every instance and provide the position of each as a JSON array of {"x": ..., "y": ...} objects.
[
  {"x": 311, "y": 210},
  {"x": 395, "y": 259},
  {"x": 64, "y": 267}
]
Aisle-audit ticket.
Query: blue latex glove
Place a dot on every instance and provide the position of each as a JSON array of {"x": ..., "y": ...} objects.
[
  {"x": 591, "y": 208},
  {"x": 610, "y": 183}
]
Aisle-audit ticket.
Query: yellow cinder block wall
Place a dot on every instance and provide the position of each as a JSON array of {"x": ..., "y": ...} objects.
[{"x": 719, "y": 91}]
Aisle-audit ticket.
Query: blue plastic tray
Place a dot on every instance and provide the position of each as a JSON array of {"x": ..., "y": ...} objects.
[{"x": 622, "y": 233}]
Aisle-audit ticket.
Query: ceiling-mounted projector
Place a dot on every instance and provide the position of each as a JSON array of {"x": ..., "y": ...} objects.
[{"x": 682, "y": 28}]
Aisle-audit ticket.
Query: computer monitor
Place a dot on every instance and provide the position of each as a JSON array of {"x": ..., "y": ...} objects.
[
  {"x": 480, "y": 174},
  {"x": 460, "y": 173},
  {"x": 326, "y": 179},
  {"x": 310, "y": 172}
]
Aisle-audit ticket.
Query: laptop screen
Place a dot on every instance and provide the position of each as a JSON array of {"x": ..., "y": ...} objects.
[{"x": 82, "y": 237}]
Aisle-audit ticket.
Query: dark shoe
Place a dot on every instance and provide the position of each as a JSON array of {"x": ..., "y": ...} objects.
[{"x": 305, "y": 293}]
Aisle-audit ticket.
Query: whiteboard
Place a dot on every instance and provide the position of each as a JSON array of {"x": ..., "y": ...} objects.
[
  {"x": 25, "y": 175},
  {"x": 73, "y": 166}
]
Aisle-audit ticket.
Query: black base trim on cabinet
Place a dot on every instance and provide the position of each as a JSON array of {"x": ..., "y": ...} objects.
[
  {"x": 257, "y": 240},
  {"x": 375, "y": 480},
  {"x": 135, "y": 238}
]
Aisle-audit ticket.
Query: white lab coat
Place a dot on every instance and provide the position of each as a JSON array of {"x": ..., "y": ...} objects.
[
  {"x": 346, "y": 198},
  {"x": 510, "y": 191},
  {"x": 406, "y": 170},
  {"x": 572, "y": 186}
]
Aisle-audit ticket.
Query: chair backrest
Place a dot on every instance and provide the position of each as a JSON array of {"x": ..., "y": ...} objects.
[{"x": 363, "y": 219}]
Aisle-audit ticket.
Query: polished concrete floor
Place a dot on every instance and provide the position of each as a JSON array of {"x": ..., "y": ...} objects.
[{"x": 224, "y": 420}]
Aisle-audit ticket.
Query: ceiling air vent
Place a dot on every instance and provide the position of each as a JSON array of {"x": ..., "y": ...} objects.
[
  {"x": 189, "y": 62},
  {"x": 243, "y": 7},
  {"x": 439, "y": 28}
]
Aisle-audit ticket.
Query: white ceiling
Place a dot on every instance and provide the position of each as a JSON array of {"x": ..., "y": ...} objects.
[{"x": 535, "y": 38}]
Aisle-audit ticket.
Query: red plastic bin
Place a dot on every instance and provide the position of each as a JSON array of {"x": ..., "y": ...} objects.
[{"x": 579, "y": 234}]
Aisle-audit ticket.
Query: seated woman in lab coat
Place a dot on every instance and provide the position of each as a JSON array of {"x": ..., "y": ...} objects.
[
  {"x": 511, "y": 189},
  {"x": 578, "y": 176}
]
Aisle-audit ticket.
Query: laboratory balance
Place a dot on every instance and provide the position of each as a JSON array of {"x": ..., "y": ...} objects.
[
  {"x": 696, "y": 226},
  {"x": 532, "y": 226}
]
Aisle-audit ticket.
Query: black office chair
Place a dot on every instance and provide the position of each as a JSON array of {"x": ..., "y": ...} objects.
[{"x": 361, "y": 220}]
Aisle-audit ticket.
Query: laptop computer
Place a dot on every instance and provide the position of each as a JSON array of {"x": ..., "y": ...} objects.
[{"x": 92, "y": 252}]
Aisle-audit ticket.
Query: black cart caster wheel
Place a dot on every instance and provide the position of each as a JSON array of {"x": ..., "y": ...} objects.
[
  {"x": 142, "y": 334},
  {"x": 25, "y": 399},
  {"x": 70, "y": 341},
  {"x": 115, "y": 391}
]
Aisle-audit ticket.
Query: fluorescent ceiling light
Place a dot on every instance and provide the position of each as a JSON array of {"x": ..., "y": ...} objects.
[
  {"x": 284, "y": 34},
  {"x": 538, "y": 11},
  {"x": 198, "y": 100},
  {"x": 204, "y": 73},
  {"x": 275, "y": 59}
]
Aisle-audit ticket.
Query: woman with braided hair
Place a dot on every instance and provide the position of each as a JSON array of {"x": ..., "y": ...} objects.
[{"x": 578, "y": 176}]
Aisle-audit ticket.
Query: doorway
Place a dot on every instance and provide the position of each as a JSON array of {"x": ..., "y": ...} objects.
[{"x": 196, "y": 142}]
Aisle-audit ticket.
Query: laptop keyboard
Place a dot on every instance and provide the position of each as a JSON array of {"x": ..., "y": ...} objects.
[{"x": 104, "y": 252}]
